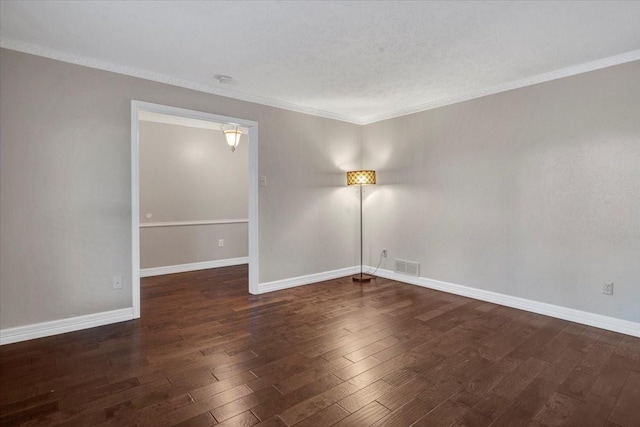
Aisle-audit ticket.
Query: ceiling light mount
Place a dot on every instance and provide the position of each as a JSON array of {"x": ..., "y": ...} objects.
[{"x": 226, "y": 80}]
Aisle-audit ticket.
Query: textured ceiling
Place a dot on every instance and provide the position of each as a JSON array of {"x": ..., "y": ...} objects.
[{"x": 354, "y": 61}]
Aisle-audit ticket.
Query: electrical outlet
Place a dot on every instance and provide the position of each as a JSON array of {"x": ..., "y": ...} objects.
[
  {"x": 384, "y": 253},
  {"x": 607, "y": 288},
  {"x": 221, "y": 242},
  {"x": 117, "y": 282}
]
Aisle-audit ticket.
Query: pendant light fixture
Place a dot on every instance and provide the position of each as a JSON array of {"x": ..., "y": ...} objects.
[{"x": 232, "y": 133}]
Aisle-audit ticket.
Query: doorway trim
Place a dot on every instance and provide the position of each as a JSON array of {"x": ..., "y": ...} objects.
[{"x": 136, "y": 108}]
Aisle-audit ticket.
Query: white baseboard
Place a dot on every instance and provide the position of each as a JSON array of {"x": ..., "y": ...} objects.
[
  {"x": 194, "y": 266},
  {"x": 565, "y": 313},
  {"x": 44, "y": 329},
  {"x": 54, "y": 327},
  {"x": 292, "y": 282}
]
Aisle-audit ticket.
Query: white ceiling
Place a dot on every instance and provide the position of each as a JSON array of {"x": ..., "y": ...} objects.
[{"x": 354, "y": 61}]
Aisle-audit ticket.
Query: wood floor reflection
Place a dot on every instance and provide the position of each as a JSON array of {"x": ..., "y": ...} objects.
[{"x": 334, "y": 353}]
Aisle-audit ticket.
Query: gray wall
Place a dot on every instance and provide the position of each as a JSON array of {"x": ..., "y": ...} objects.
[
  {"x": 190, "y": 174},
  {"x": 533, "y": 193},
  {"x": 166, "y": 246},
  {"x": 65, "y": 186}
]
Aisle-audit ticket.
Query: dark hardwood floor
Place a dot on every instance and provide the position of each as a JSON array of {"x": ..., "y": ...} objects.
[{"x": 334, "y": 353}]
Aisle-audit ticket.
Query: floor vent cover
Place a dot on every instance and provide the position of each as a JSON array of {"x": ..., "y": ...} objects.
[{"x": 409, "y": 268}]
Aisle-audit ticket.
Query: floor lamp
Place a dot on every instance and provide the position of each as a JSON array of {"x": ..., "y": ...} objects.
[{"x": 363, "y": 177}]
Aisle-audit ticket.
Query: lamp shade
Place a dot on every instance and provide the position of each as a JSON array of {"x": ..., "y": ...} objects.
[
  {"x": 361, "y": 177},
  {"x": 232, "y": 134}
]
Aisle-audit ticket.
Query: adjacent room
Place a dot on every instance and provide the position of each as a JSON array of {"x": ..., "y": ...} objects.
[
  {"x": 192, "y": 192},
  {"x": 319, "y": 213}
]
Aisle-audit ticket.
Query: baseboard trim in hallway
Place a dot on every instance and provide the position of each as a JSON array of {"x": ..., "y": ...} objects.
[{"x": 194, "y": 266}]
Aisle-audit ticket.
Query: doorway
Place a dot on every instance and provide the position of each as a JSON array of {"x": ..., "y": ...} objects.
[{"x": 139, "y": 108}]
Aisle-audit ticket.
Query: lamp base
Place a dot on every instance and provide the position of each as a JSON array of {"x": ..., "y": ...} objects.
[{"x": 362, "y": 278}]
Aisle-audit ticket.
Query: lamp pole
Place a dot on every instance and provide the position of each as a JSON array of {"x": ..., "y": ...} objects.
[
  {"x": 361, "y": 188},
  {"x": 361, "y": 178},
  {"x": 361, "y": 277}
]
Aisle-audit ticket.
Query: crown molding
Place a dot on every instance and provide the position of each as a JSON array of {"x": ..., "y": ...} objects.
[
  {"x": 90, "y": 62},
  {"x": 623, "y": 58},
  {"x": 100, "y": 64}
]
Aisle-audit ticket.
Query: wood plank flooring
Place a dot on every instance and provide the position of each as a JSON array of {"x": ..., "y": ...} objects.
[{"x": 334, "y": 353}]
